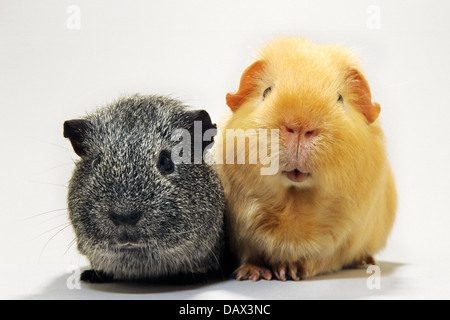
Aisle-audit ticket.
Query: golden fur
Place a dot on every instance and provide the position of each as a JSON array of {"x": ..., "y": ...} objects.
[{"x": 343, "y": 213}]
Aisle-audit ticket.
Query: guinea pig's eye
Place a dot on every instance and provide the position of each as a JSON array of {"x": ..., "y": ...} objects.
[
  {"x": 340, "y": 99},
  {"x": 266, "y": 92},
  {"x": 96, "y": 162},
  {"x": 165, "y": 163}
]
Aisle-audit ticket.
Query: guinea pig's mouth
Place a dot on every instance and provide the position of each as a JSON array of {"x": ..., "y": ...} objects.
[
  {"x": 132, "y": 245},
  {"x": 296, "y": 175},
  {"x": 128, "y": 245}
]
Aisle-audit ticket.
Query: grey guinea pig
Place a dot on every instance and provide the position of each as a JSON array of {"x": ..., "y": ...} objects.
[{"x": 136, "y": 214}]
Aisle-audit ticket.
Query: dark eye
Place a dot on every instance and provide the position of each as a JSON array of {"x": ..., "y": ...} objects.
[
  {"x": 266, "y": 92},
  {"x": 165, "y": 164},
  {"x": 340, "y": 99},
  {"x": 96, "y": 162}
]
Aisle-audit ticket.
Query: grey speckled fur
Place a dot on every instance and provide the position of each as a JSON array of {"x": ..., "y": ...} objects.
[{"x": 181, "y": 226}]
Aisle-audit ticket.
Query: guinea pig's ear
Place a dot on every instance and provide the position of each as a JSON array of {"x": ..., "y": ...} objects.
[
  {"x": 249, "y": 82},
  {"x": 204, "y": 117},
  {"x": 203, "y": 131},
  {"x": 76, "y": 131},
  {"x": 360, "y": 95}
]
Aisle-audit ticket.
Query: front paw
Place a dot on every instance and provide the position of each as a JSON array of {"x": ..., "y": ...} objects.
[
  {"x": 252, "y": 272},
  {"x": 367, "y": 260},
  {"x": 93, "y": 276},
  {"x": 285, "y": 271}
]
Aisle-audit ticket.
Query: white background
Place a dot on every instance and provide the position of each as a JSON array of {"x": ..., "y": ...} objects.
[{"x": 196, "y": 51}]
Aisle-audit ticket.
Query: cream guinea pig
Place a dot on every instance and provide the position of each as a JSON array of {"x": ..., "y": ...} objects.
[{"x": 331, "y": 202}]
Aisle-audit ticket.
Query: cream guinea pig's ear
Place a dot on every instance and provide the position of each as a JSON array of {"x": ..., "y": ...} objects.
[
  {"x": 249, "y": 82},
  {"x": 360, "y": 95}
]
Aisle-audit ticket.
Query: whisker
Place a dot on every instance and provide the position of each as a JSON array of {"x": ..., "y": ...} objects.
[
  {"x": 59, "y": 216},
  {"x": 184, "y": 232},
  {"x": 44, "y": 213},
  {"x": 52, "y": 237},
  {"x": 71, "y": 243},
  {"x": 217, "y": 260},
  {"x": 55, "y": 167},
  {"x": 52, "y": 144},
  {"x": 64, "y": 225},
  {"x": 48, "y": 183}
]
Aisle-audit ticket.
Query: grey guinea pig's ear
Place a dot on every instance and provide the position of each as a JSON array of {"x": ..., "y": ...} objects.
[
  {"x": 77, "y": 131},
  {"x": 203, "y": 116},
  {"x": 202, "y": 129}
]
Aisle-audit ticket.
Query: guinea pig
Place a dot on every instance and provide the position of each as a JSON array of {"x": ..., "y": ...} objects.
[
  {"x": 330, "y": 199},
  {"x": 138, "y": 211}
]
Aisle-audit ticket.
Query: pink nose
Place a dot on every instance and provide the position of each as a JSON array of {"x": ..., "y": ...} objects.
[{"x": 292, "y": 130}]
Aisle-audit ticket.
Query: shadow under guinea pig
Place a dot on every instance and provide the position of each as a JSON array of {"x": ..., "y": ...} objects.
[
  {"x": 67, "y": 287},
  {"x": 179, "y": 285},
  {"x": 344, "y": 284}
]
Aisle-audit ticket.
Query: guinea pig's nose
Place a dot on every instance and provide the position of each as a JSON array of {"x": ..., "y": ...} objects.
[
  {"x": 302, "y": 132},
  {"x": 310, "y": 133},
  {"x": 130, "y": 219}
]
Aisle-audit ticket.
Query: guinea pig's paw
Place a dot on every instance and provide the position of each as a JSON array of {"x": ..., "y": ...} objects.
[
  {"x": 252, "y": 272},
  {"x": 93, "y": 276},
  {"x": 285, "y": 271},
  {"x": 365, "y": 261}
]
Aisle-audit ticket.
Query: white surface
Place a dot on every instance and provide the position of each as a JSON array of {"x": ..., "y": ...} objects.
[{"x": 196, "y": 51}]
